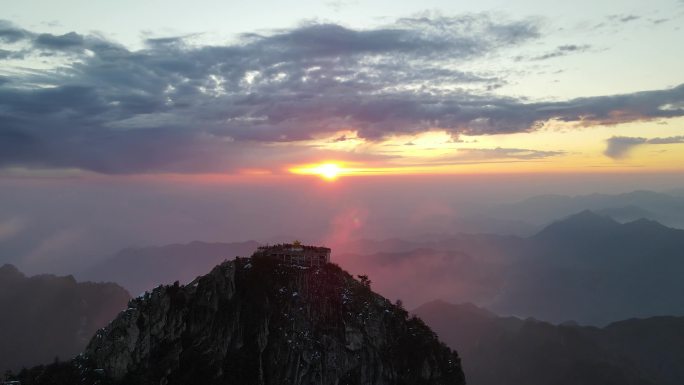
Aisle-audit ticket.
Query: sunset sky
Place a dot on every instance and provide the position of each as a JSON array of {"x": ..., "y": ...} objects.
[
  {"x": 522, "y": 156},
  {"x": 364, "y": 87}
]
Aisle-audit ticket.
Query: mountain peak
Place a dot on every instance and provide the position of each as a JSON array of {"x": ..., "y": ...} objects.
[
  {"x": 582, "y": 223},
  {"x": 259, "y": 321},
  {"x": 588, "y": 224}
]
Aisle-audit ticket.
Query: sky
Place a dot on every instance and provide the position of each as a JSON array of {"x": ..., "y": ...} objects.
[
  {"x": 150, "y": 122},
  {"x": 372, "y": 87}
]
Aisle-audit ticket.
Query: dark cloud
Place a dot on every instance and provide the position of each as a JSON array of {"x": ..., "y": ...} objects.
[
  {"x": 177, "y": 42},
  {"x": 177, "y": 107},
  {"x": 9, "y": 33},
  {"x": 618, "y": 147},
  {"x": 44, "y": 42},
  {"x": 670, "y": 140},
  {"x": 69, "y": 40}
]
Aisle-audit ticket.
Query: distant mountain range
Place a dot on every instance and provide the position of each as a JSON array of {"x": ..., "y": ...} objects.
[
  {"x": 593, "y": 269},
  {"x": 541, "y": 210},
  {"x": 45, "y": 316},
  {"x": 141, "y": 269},
  {"x": 511, "y": 351},
  {"x": 586, "y": 267}
]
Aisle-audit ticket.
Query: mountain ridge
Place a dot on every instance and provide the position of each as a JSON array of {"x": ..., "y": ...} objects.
[
  {"x": 46, "y": 316},
  {"x": 512, "y": 275},
  {"x": 258, "y": 321},
  {"x": 667, "y": 208},
  {"x": 510, "y": 350}
]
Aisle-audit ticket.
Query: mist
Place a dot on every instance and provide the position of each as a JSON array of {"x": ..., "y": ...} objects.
[{"x": 65, "y": 225}]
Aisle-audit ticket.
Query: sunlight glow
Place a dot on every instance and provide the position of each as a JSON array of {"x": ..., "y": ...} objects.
[{"x": 327, "y": 171}]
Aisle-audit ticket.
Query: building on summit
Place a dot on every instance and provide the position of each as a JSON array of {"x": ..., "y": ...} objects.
[{"x": 296, "y": 254}]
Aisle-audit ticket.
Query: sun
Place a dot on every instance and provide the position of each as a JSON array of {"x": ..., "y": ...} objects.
[{"x": 328, "y": 171}]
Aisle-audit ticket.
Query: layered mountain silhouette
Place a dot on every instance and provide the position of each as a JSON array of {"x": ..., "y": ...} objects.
[
  {"x": 141, "y": 269},
  {"x": 593, "y": 269},
  {"x": 586, "y": 267},
  {"x": 45, "y": 316},
  {"x": 257, "y": 321},
  {"x": 587, "y": 223},
  {"x": 508, "y": 350},
  {"x": 540, "y": 210}
]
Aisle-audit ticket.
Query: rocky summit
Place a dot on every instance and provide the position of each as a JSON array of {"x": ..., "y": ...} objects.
[{"x": 258, "y": 321}]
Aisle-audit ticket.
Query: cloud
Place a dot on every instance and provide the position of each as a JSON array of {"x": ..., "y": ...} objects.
[
  {"x": 616, "y": 22},
  {"x": 177, "y": 107},
  {"x": 618, "y": 147},
  {"x": 9, "y": 33},
  {"x": 68, "y": 40},
  {"x": 626, "y": 18},
  {"x": 338, "y": 5},
  {"x": 506, "y": 153},
  {"x": 670, "y": 140},
  {"x": 563, "y": 50},
  {"x": 490, "y": 155}
]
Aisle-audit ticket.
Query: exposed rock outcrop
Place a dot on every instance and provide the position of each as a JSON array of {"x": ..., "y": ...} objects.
[{"x": 255, "y": 321}]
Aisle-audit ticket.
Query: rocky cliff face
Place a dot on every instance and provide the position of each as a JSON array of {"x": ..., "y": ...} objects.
[{"x": 254, "y": 321}]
